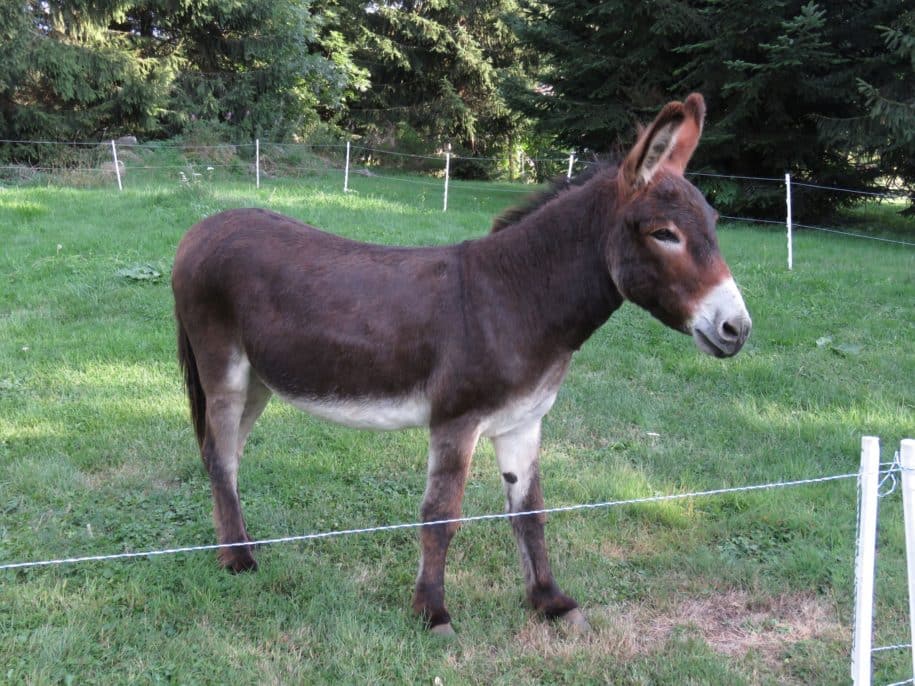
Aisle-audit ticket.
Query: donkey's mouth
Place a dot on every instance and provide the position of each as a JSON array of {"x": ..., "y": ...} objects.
[{"x": 708, "y": 346}]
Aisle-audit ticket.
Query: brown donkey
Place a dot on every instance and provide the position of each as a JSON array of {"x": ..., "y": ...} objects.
[{"x": 469, "y": 340}]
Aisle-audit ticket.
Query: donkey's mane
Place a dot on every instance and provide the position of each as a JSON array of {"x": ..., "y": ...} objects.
[{"x": 557, "y": 187}]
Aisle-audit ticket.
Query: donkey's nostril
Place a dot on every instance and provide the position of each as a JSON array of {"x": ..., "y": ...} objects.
[{"x": 728, "y": 330}]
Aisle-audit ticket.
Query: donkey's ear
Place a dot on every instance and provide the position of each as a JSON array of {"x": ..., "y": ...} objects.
[
  {"x": 668, "y": 142},
  {"x": 689, "y": 133}
]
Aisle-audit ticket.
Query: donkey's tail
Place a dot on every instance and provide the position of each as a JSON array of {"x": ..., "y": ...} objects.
[{"x": 195, "y": 395}]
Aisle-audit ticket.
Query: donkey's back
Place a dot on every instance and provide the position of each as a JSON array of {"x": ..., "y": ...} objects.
[{"x": 320, "y": 319}]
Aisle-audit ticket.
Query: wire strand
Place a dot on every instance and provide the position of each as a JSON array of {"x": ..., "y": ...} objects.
[
  {"x": 891, "y": 195},
  {"x": 417, "y": 525},
  {"x": 736, "y": 176},
  {"x": 883, "y": 649},
  {"x": 853, "y": 235}
]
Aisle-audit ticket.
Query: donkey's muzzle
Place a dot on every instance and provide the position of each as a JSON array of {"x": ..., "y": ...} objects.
[
  {"x": 721, "y": 324},
  {"x": 725, "y": 339}
]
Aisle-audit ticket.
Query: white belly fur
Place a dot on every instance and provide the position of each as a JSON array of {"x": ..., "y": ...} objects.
[
  {"x": 379, "y": 414},
  {"x": 529, "y": 407},
  {"x": 520, "y": 411},
  {"x": 388, "y": 414}
]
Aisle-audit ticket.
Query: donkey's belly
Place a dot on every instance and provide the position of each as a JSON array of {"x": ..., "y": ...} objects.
[{"x": 379, "y": 414}]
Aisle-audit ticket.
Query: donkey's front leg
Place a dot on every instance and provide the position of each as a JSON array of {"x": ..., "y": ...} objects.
[
  {"x": 518, "y": 455},
  {"x": 451, "y": 447}
]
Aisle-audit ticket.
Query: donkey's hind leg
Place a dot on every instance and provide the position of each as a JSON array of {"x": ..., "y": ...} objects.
[
  {"x": 517, "y": 453},
  {"x": 231, "y": 412}
]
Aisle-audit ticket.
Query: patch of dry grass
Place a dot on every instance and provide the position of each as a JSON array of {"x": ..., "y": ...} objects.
[{"x": 732, "y": 623}]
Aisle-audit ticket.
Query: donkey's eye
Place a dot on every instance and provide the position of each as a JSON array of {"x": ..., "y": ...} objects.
[{"x": 665, "y": 236}]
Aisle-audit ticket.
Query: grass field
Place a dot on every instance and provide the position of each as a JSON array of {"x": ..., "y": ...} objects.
[{"x": 97, "y": 455}]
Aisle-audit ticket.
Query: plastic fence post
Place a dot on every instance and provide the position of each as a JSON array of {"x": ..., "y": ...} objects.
[
  {"x": 571, "y": 162},
  {"x": 865, "y": 561},
  {"x": 447, "y": 175},
  {"x": 117, "y": 168},
  {"x": 257, "y": 162},
  {"x": 788, "y": 222},
  {"x": 346, "y": 170},
  {"x": 907, "y": 462}
]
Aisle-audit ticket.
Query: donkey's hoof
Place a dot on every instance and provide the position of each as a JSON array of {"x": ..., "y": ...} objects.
[
  {"x": 576, "y": 622},
  {"x": 444, "y": 630},
  {"x": 237, "y": 560}
]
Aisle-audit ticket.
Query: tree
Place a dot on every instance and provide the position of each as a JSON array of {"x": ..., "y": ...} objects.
[
  {"x": 66, "y": 75},
  {"x": 770, "y": 82},
  {"x": 772, "y": 72},
  {"x": 79, "y": 69},
  {"x": 602, "y": 66},
  {"x": 255, "y": 66},
  {"x": 884, "y": 132},
  {"x": 432, "y": 72}
]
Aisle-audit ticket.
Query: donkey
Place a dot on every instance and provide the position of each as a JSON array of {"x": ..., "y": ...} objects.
[{"x": 468, "y": 340}]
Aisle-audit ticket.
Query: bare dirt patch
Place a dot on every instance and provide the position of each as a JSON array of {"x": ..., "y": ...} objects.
[{"x": 732, "y": 623}]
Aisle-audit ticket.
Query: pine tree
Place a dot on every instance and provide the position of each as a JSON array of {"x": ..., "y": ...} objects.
[
  {"x": 883, "y": 134},
  {"x": 82, "y": 69},
  {"x": 254, "y": 66},
  {"x": 603, "y": 65},
  {"x": 774, "y": 74},
  {"x": 432, "y": 73},
  {"x": 66, "y": 75},
  {"x": 774, "y": 82}
]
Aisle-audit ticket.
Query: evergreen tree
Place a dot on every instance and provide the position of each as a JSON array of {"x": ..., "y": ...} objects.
[
  {"x": 772, "y": 72},
  {"x": 81, "y": 69},
  {"x": 432, "y": 72},
  {"x": 67, "y": 75},
  {"x": 255, "y": 66},
  {"x": 602, "y": 65},
  {"x": 883, "y": 134}
]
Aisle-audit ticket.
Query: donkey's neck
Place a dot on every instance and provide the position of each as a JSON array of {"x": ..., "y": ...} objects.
[{"x": 550, "y": 269}]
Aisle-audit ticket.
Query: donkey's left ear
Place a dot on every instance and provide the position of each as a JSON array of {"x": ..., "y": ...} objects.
[
  {"x": 689, "y": 133},
  {"x": 667, "y": 144}
]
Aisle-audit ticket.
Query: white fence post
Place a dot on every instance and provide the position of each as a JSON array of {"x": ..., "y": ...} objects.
[
  {"x": 788, "y": 221},
  {"x": 257, "y": 162},
  {"x": 117, "y": 168},
  {"x": 907, "y": 463},
  {"x": 447, "y": 175},
  {"x": 346, "y": 170},
  {"x": 865, "y": 561},
  {"x": 571, "y": 162}
]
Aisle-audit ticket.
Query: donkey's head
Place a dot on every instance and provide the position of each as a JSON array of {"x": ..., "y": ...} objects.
[{"x": 662, "y": 252}]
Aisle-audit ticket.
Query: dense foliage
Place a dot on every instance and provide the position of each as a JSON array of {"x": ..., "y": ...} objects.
[
  {"x": 821, "y": 88},
  {"x": 66, "y": 74},
  {"x": 791, "y": 85},
  {"x": 77, "y": 70}
]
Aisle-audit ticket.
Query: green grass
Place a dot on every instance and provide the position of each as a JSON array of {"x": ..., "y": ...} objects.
[{"x": 97, "y": 456}]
